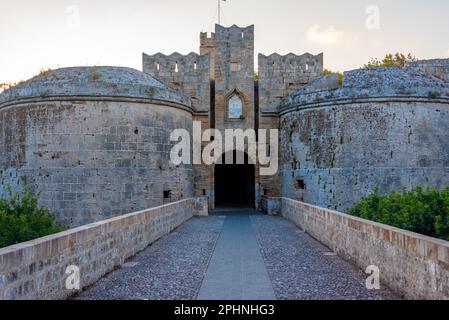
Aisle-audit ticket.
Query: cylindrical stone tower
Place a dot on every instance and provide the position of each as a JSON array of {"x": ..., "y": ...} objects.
[
  {"x": 94, "y": 141},
  {"x": 384, "y": 127}
]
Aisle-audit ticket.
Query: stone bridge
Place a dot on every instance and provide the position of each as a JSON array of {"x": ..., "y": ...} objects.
[{"x": 178, "y": 251}]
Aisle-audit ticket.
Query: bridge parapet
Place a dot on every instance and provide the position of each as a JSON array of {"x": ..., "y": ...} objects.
[
  {"x": 413, "y": 265},
  {"x": 37, "y": 269}
]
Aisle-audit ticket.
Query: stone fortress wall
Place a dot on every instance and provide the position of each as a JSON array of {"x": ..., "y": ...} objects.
[
  {"x": 189, "y": 74},
  {"x": 280, "y": 75},
  {"x": 383, "y": 127},
  {"x": 94, "y": 142},
  {"x": 438, "y": 68}
]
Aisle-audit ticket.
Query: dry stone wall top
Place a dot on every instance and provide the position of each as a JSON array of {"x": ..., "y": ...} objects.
[
  {"x": 372, "y": 83},
  {"x": 94, "y": 82}
]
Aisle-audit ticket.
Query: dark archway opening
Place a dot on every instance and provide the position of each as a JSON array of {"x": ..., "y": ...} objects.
[{"x": 235, "y": 184}]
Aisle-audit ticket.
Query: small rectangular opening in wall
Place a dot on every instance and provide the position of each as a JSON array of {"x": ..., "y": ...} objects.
[
  {"x": 265, "y": 192},
  {"x": 167, "y": 194},
  {"x": 204, "y": 192},
  {"x": 235, "y": 66},
  {"x": 300, "y": 184}
]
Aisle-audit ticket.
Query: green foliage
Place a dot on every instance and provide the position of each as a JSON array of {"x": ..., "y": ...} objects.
[
  {"x": 418, "y": 210},
  {"x": 96, "y": 75},
  {"x": 390, "y": 60},
  {"x": 21, "y": 219},
  {"x": 340, "y": 75},
  {"x": 242, "y": 117},
  {"x": 256, "y": 76},
  {"x": 43, "y": 94},
  {"x": 434, "y": 94}
]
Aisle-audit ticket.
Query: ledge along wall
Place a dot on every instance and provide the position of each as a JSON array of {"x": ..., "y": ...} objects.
[
  {"x": 36, "y": 269},
  {"x": 413, "y": 265}
]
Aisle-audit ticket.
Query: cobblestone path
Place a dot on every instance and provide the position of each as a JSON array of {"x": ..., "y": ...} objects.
[{"x": 241, "y": 255}]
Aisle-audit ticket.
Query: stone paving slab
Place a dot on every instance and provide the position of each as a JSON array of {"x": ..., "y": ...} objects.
[{"x": 236, "y": 270}]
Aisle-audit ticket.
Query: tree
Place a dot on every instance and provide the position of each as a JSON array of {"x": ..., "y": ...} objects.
[{"x": 398, "y": 60}]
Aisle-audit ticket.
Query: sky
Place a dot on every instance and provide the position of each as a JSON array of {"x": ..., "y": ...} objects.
[{"x": 61, "y": 33}]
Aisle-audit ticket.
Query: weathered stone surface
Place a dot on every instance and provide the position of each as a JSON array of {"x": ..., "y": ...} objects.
[
  {"x": 93, "y": 157},
  {"x": 189, "y": 74},
  {"x": 372, "y": 83},
  {"x": 438, "y": 68},
  {"x": 95, "y": 82},
  {"x": 171, "y": 269},
  {"x": 280, "y": 75},
  {"x": 301, "y": 268},
  {"x": 413, "y": 265},
  {"x": 335, "y": 151},
  {"x": 36, "y": 269}
]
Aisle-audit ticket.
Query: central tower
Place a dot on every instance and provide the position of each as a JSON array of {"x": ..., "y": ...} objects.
[{"x": 232, "y": 69}]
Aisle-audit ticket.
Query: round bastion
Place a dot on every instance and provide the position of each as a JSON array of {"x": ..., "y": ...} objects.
[
  {"x": 385, "y": 128},
  {"x": 94, "y": 141}
]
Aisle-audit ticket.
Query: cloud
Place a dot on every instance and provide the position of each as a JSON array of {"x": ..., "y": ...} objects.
[{"x": 327, "y": 36}]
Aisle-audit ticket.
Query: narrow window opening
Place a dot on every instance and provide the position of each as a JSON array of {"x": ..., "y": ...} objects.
[
  {"x": 158, "y": 66},
  {"x": 307, "y": 67},
  {"x": 299, "y": 184},
  {"x": 243, "y": 35},
  {"x": 167, "y": 194},
  {"x": 204, "y": 192},
  {"x": 176, "y": 67},
  {"x": 235, "y": 107},
  {"x": 194, "y": 66}
]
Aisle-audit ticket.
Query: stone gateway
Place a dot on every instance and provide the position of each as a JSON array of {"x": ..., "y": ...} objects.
[{"x": 95, "y": 141}]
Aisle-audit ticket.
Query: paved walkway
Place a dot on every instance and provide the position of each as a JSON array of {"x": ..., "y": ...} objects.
[
  {"x": 237, "y": 269},
  {"x": 237, "y": 255}
]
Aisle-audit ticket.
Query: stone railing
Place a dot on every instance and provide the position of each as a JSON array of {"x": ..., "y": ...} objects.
[
  {"x": 270, "y": 205},
  {"x": 41, "y": 268},
  {"x": 413, "y": 265}
]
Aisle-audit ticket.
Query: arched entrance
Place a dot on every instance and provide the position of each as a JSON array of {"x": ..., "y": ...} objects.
[{"x": 235, "y": 184}]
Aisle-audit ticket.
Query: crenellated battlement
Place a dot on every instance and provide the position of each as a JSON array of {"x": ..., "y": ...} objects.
[
  {"x": 234, "y": 33},
  {"x": 281, "y": 74},
  {"x": 205, "y": 40},
  {"x": 306, "y": 63},
  {"x": 188, "y": 73},
  {"x": 438, "y": 68},
  {"x": 160, "y": 64}
]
